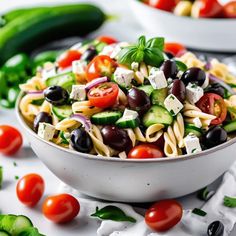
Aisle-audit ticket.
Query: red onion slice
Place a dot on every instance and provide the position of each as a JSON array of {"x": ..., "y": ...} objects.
[
  {"x": 35, "y": 92},
  {"x": 83, "y": 120},
  {"x": 208, "y": 66},
  {"x": 95, "y": 82},
  {"x": 222, "y": 83}
]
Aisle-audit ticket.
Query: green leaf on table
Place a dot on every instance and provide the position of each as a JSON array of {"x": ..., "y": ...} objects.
[
  {"x": 230, "y": 202},
  {"x": 199, "y": 212},
  {"x": 112, "y": 213}
]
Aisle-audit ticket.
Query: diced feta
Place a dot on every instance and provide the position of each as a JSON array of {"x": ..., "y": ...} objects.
[
  {"x": 173, "y": 105},
  {"x": 48, "y": 72},
  {"x": 115, "y": 51},
  {"x": 130, "y": 113},
  {"x": 123, "y": 76},
  {"x": 46, "y": 131},
  {"x": 192, "y": 144},
  {"x": 194, "y": 93},
  {"x": 78, "y": 92},
  {"x": 197, "y": 122},
  {"x": 157, "y": 78},
  {"x": 107, "y": 50},
  {"x": 79, "y": 66},
  {"x": 135, "y": 66}
]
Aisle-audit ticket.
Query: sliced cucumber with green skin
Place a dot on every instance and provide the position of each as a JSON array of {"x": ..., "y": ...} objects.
[
  {"x": 230, "y": 127},
  {"x": 4, "y": 233},
  {"x": 158, "y": 96},
  {"x": 7, "y": 223},
  {"x": 106, "y": 117},
  {"x": 127, "y": 122},
  {"x": 65, "y": 80},
  {"x": 38, "y": 102},
  {"x": 64, "y": 139},
  {"x": 157, "y": 115},
  {"x": 62, "y": 112},
  {"x": 31, "y": 231},
  {"x": 190, "y": 128},
  {"x": 148, "y": 89}
]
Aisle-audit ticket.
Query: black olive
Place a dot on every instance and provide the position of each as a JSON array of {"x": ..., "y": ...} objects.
[
  {"x": 138, "y": 100},
  {"x": 194, "y": 75},
  {"x": 169, "y": 68},
  {"x": 81, "y": 141},
  {"x": 214, "y": 136},
  {"x": 215, "y": 88},
  {"x": 116, "y": 138},
  {"x": 56, "y": 95},
  {"x": 89, "y": 54},
  {"x": 42, "y": 117},
  {"x": 179, "y": 90},
  {"x": 216, "y": 228},
  {"x": 169, "y": 55},
  {"x": 146, "y": 81}
]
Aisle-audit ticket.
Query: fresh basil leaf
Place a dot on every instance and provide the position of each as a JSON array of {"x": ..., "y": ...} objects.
[
  {"x": 153, "y": 57},
  {"x": 137, "y": 56},
  {"x": 124, "y": 56},
  {"x": 142, "y": 42},
  {"x": 112, "y": 213},
  {"x": 181, "y": 66},
  {"x": 156, "y": 43}
]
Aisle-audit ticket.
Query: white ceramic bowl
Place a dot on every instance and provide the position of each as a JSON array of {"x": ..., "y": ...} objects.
[
  {"x": 205, "y": 34},
  {"x": 132, "y": 180}
]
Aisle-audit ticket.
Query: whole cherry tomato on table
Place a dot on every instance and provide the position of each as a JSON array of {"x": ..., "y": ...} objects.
[
  {"x": 61, "y": 208},
  {"x": 165, "y": 5},
  {"x": 10, "y": 140},
  {"x": 163, "y": 215},
  {"x": 65, "y": 60},
  {"x": 106, "y": 39},
  {"x": 101, "y": 65},
  {"x": 230, "y": 9},
  {"x": 176, "y": 49},
  {"x": 213, "y": 104},
  {"x": 30, "y": 189}
]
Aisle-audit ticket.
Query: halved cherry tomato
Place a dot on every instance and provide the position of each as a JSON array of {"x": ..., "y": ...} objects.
[
  {"x": 163, "y": 4},
  {"x": 230, "y": 9},
  {"x": 30, "y": 189},
  {"x": 100, "y": 66},
  {"x": 10, "y": 140},
  {"x": 61, "y": 208},
  {"x": 106, "y": 39},
  {"x": 209, "y": 8},
  {"x": 213, "y": 104},
  {"x": 144, "y": 151},
  {"x": 176, "y": 49},
  {"x": 163, "y": 215},
  {"x": 65, "y": 60},
  {"x": 103, "y": 95}
]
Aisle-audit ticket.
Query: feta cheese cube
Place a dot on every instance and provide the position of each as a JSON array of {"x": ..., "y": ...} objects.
[
  {"x": 157, "y": 78},
  {"x": 79, "y": 66},
  {"x": 192, "y": 144},
  {"x": 173, "y": 105},
  {"x": 115, "y": 51},
  {"x": 107, "y": 50},
  {"x": 46, "y": 131},
  {"x": 197, "y": 122},
  {"x": 194, "y": 93},
  {"x": 78, "y": 92},
  {"x": 130, "y": 113},
  {"x": 48, "y": 72},
  {"x": 123, "y": 76}
]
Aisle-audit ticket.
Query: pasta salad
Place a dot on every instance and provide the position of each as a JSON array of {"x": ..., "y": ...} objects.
[{"x": 131, "y": 100}]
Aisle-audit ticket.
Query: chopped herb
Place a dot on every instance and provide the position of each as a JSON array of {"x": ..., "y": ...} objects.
[
  {"x": 16, "y": 177},
  {"x": 230, "y": 202},
  {"x": 199, "y": 212},
  {"x": 204, "y": 194},
  {"x": 194, "y": 150},
  {"x": 1, "y": 176},
  {"x": 112, "y": 213},
  {"x": 172, "y": 112},
  {"x": 172, "y": 97},
  {"x": 14, "y": 163},
  {"x": 193, "y": 86}
]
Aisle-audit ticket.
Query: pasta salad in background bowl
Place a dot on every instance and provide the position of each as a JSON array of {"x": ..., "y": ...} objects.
[{"x": 131, "y": 122}]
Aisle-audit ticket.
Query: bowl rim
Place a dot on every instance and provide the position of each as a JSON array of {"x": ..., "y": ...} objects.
[
  {"x": 185, "y": 157},
  {"x": 187, "y": 18}
]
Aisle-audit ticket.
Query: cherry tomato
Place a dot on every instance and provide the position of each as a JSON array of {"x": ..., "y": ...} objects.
[
  {"x": 176, "y": 49},
  {"x": 209, "y": 8},
  {"x": 10, "y": 140},
  {"x": 101, "y": 65},
  {"x": 143, "y": 151},
  {"x": 65, "y": 60},
  {"x": 61, "y": 208},
  {"x": 30, "y": 189},
  {"x": 103, "y": 95},
  {"x": 214, "y": 104},
  {"x": 106, "y": 39},
  {"x": 230, "y": 9},
  {"x": 163, "y": 215},
  {"x": 163, "y": 4}
]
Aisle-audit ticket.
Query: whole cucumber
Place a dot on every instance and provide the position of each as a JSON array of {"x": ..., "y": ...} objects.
[{"x": 39, "y": 26}]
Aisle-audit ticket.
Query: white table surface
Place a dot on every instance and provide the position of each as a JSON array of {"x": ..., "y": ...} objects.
[{"x": 124, "y": 29}]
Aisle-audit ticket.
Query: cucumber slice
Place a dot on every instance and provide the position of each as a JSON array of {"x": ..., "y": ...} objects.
[
  {"x": 230, "y": 127},
  {"x": 148, "y": 89},
  {"x": 4, "y": 233},
  {"x": 7, "y": 223},
  {"x": 158, "y": 96},
  {"x": 127, "y": 122},
  {"x": 31, "y": 231},
  {"x": 65, "y": 80},
  {"x": 190, "y": 128},
  {"x": 21, "y": 223},
  {"x": 157, "y": 115},
  {"x": 106, "y": 117},
  {"x": 62, "y": 112},
  {"x": 64, "y": 139},
  {"x": 38, "y": 102}
]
